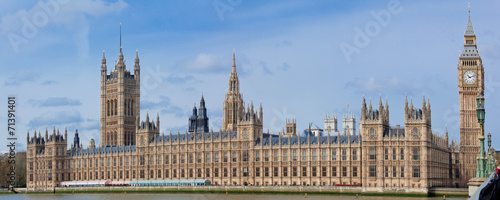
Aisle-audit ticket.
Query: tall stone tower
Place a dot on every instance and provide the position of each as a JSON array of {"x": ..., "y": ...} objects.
[
  {"x": 349, "y": 124},
  {"x": 233, "y": 104},
  {"x": 120, "y": 102},
  {"x": 198, "y": 122},
  {"x": 250, "y": 125},
  {"x": 331, "y": 123},
  {"x": 470, "y": 84},
  {"x": 418, "y": 133},
  {"x": 373, "y": 125}
]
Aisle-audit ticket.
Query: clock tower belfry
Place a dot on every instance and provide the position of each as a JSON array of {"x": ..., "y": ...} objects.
[{"x": 470, "y": 84}]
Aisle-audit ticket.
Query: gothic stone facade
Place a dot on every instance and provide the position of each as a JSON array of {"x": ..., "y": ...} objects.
[{"x": 379, "y": 158}]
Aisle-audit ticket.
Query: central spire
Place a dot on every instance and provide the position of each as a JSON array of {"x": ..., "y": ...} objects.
[
  {"x": 234, "y": 63},
  {"x": 120, "y": 37},
  {"x": 469, "y": 31}
]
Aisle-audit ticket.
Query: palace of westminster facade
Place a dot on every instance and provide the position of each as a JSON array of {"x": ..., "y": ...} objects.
[{"x": 379, "y": 157}]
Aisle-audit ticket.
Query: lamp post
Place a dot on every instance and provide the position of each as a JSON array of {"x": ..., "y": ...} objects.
[
  {"x": 491, "y": 160},
  {"x": 480, "y": 172}
]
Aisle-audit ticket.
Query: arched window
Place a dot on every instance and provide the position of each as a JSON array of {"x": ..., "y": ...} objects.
[
  {"x": 245, "y": 134},
  {"x": 107, "y": 107},
  {"x": 372, "y": 132},
  {"x": 125, "y": 108},
  {"x": 415, "y": 132}
]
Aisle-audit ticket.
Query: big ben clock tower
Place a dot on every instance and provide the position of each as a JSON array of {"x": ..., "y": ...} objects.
[{"x": 470, "y": 84}]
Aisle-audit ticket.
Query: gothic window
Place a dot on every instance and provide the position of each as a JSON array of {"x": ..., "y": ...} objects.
[
  {"x": 107, "y": 107},
  {"x": 334, "y": 155},
  {"x": 354, "y": 155},
  {"x": 416, "y": 154},
  {"x": 294, "y": 155},
  {"x": 416, "y": 172},
  {"x": 125, "y": 108},
  {"x": 132, "y": 108},
  {"x": 285, "y": 155},
  {"x": 372, "y": 153},
  {"x": 373, "y": 171},
  {"x": 116, "y": 107},
  {"x": 415, "y": 132},
  {"x": 245, "y": 134},
  {"x": 216, "y": 157},
  {"x": 372, "y": 132},
  {"x": 402, "y": 172},
  {"x": 142, "y": 140},
  {"x": 245, "y": 156},
  {"x": 313, "y": 155}
]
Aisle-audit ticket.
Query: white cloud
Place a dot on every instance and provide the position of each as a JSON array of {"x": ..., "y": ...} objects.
[
  {"x": 24, "y": 24},
  {"x": 206, "y": 63},
  {"x": 395, "y": 85}
]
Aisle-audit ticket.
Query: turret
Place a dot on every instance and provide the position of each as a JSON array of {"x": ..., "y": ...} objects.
[
  {"x": 103, "y": 65},
  {"x": 137, "y": 67},
  {"x": 363, "y": 108},
  {"x": 260, "y": 112},
  {"x": 76, "y": 140},
  {"x": 158, "y": 121}
]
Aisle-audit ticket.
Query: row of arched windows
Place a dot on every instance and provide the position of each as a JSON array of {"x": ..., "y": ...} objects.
[
  {"x": 112, "y": 138},
  {"x": 112, "y": 107}
]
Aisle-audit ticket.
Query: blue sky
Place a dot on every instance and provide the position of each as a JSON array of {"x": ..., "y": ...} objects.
[{"x": 288, "y": 55}]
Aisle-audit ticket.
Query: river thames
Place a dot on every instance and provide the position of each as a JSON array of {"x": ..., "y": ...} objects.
[{"x": 189, "y": 196}]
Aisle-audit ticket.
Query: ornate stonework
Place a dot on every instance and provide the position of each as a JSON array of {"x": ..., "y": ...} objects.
[{"x": 470, "y": 84}]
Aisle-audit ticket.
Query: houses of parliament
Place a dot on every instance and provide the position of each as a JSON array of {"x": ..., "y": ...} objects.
[{"x": 379, "y": 157}]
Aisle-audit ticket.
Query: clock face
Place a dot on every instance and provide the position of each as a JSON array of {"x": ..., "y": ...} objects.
[{"x": 470, "y": 77}]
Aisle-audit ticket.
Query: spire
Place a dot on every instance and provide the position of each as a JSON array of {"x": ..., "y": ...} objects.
[
  {"x": 406, "y": 102},
  {"x": 120, "y": 37},
  {"x": 469, "y": 31},
  {"x": 103, "y": 60},
  {"x": 380, "y": 103},
  {"x": 234, "y": 63},
  {"x": 446, "y": 133},
  {"x": 386, "y": 104},
  {"x": 202, "y": 101},
  {"x": 136, "y": 57},
  {"x": 423, "y": 103},
  {"x": 158, "y": 121},
  {"x": 147, "y": 116},
  {"x": 411, "y": 103}
]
